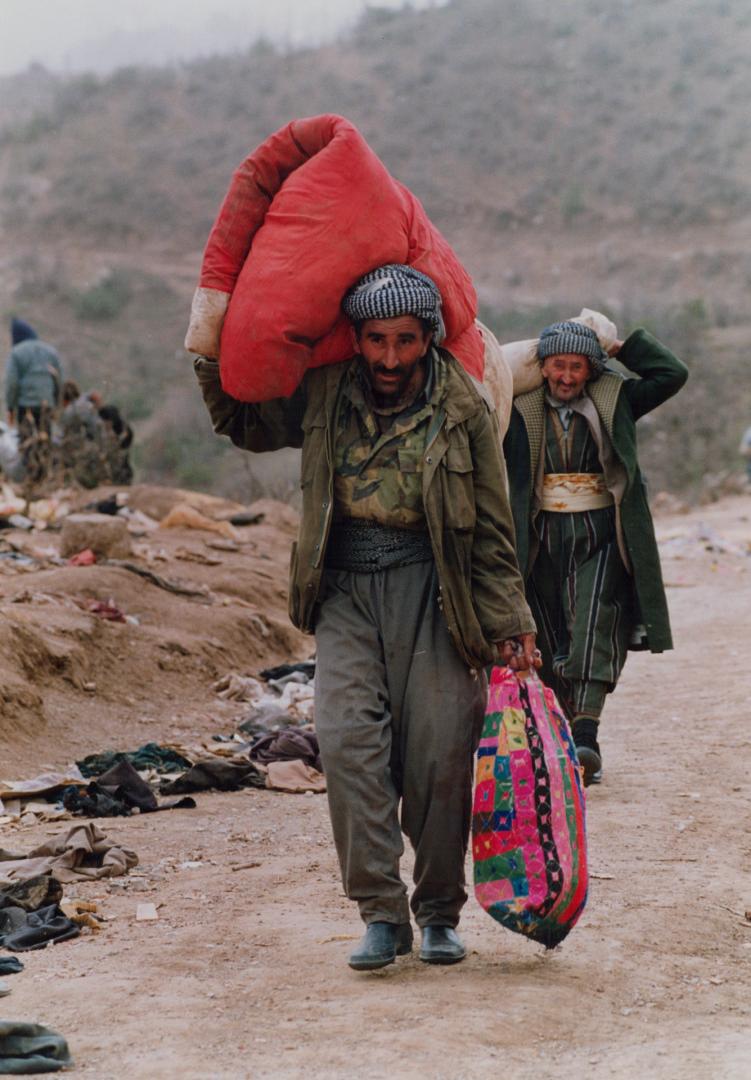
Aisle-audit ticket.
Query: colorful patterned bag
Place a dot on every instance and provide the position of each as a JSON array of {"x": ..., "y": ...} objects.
[{"x": 528, "y": 831}]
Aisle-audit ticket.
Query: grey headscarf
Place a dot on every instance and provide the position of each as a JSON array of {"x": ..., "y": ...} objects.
[{"x": 571, "y": 338}]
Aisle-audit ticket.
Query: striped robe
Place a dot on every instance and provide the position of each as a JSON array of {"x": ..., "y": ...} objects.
[{"x": 579, "y": 589}]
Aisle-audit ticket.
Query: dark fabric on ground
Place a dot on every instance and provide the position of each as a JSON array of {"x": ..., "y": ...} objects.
[
  {"x": 118, "y": 792},
  {"x": 223, "y": 775},
  {"x": 10, "y": 965},
  {"x": 36, "y": 892},
  {"x": 149, "y": 756},
  {"x": 30, "y": 1048},
  {"x": 307, "y": 667},
  {"x": 246, "y": 517},
  {"x": 289, "y": 744},
  {"x": 22, "y": 931}
]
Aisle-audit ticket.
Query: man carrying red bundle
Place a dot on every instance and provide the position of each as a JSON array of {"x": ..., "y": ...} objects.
[{"x": 406, "y": 572}]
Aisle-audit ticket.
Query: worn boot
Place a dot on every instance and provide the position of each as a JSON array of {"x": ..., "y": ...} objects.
[
  {"x": 584, "y": 731},
  {"x": 441, "y": 945},
  {"x": 380, "y": 945}
]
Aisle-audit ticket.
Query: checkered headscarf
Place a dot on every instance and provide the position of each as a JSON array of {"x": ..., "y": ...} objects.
[
  {"x": 393, "y": 290},
  {"x": 572, "y": 338}
]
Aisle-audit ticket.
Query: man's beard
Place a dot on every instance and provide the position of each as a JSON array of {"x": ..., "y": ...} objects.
[{"x": 391, "y": 396}]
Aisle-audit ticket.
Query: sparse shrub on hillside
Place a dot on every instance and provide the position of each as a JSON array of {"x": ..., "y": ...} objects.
[{"x": 105, "y": 300}]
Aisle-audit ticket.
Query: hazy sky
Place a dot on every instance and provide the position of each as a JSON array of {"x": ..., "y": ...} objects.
[{"x": 78, "y": 35}]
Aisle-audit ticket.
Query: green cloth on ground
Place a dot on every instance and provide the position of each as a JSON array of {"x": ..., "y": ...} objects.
[
  {"x": 28, "y": 1049},
  {"x": 148, "y": 756}
]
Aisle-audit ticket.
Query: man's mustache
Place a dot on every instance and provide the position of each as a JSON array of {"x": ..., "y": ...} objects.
[{"x": 380, "y": 369}]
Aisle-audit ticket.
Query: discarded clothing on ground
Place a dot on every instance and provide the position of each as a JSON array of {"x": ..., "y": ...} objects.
[
  {"x": 27, "y": 1049},
  {"x": 82, "y": 853},
  {"x": 149, "y": 756},
  {"x": 10, "y": 965},
  {"x": 45, "y": 784},
  {"x": 23, "y": 931},
  {"x": 233, "y": 687},
  {"x": 288, "y": 744},
  {"x": 307, "y": 667},
  {"x": 295, "y": 777},
  {"x": 105, "y": 609},
  {"x": 31, "y": 894},
  {"x": 30, "y": 916},
  {"x": 117, "y": 793},
  {"x": 263, "y": 719},
  {"x": 216, "y": 773}
]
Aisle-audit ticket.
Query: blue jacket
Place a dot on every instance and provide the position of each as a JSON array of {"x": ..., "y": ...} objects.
[{"x": 33, "y": 375}]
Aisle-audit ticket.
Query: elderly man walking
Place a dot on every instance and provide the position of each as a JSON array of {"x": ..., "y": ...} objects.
[
  {"x": 405, "y": 570},
  {"x": 586, "y": 542}
]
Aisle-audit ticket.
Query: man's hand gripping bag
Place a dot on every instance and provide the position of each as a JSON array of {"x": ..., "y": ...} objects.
[
  {"x": 528, "y": 818},
  {"x": 308, "y": 213}
]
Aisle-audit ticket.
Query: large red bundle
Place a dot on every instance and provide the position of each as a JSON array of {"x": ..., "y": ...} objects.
[{"x": 307, "y": 214}]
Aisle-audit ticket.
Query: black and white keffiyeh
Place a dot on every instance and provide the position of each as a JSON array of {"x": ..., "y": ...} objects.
[
  {"x": 572, "y": 338},
  {"x": 393, "y": 290}
]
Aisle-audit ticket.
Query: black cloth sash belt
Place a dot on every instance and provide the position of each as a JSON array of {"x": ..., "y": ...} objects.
[{"x": 364, "y": 547}]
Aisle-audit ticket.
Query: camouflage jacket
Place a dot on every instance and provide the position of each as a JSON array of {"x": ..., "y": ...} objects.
[
  {"x": 464, "y": 496},
  {"x": 379, "y": 453}
]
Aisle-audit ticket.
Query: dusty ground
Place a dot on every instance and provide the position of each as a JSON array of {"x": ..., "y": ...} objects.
[{"x": 245, "y": 975}]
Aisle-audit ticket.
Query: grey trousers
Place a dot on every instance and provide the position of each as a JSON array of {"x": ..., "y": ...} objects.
[{"x": 398, "y": 717}]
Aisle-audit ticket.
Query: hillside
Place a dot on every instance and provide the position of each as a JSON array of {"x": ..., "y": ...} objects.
[{"x": 568, "y": 155}]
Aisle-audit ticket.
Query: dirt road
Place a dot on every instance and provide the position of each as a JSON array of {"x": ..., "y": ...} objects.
[{"x": 244, "y": 974}]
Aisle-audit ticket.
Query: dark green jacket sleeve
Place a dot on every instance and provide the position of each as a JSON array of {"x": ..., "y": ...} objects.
[
  {"x": 270, "y": 425},
  {"x": 497, "y": 587},
  {"x": 661, "y": 374}
]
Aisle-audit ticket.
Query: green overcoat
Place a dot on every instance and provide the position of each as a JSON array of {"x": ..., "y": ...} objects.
[{"x": 619, "y": 402}]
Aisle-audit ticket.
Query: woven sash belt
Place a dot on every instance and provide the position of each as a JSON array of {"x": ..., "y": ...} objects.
[
  {"x": 573, "y": 492},
  {"x": 364, "y": 547}
]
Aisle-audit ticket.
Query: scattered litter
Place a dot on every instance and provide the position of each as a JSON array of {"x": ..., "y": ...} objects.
[
  {"x": 222, "y": 545},
  {"x": 83, "y": 558},
  {"x": 10, "y": 503},
  {"x": 81, "y": 912},
  {"x": 304, "y": 667},
  {"x": 193, "y": 555},
  {"x": 244, "y": 866},
  {"x": 234, "y": 687},
  {"x": 201, "y": 594},
  {"x": 18, "y": 558},
  {"x": 247, "y": 517},
  {"x": 19, "y": 521},
  {"x": 146, "y": 913},
  {"x": 183, "y": 516},
  {"x": 105, "y": 609}
]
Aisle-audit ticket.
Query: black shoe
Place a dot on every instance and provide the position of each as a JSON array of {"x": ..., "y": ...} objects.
[
  {"x": 591, "y": 764},
  {"x": 380, "y": 945},
  {"x": 441, "y": 945},
  {"x": 584, "y": 731}
]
